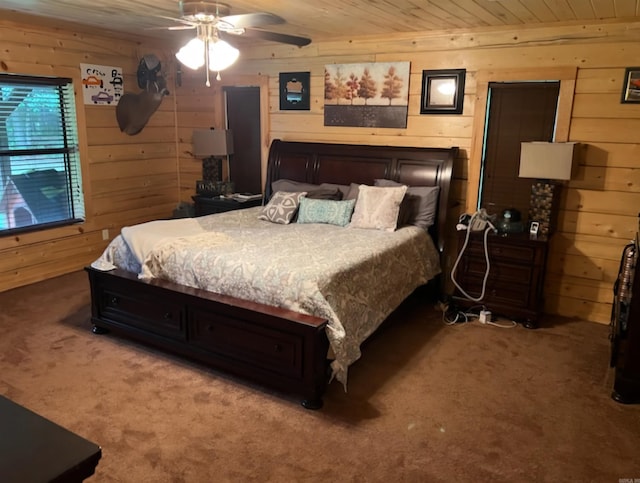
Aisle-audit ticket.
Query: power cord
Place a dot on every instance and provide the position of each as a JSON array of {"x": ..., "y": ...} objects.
[
  {"x": 488, "y": 228},
  {"x": 451, "y": 315}
]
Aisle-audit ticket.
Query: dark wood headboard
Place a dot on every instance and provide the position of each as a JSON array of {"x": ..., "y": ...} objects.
[{"x": 354, "y": 163}]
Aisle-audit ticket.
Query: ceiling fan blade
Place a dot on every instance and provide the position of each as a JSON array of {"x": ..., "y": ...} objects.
[
  {"x": 276, "y": 37},
  {"x": 248, "y": 20}
]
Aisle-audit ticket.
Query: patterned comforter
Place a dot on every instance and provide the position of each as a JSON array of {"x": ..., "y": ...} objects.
[{"x": 352, "y": 277}]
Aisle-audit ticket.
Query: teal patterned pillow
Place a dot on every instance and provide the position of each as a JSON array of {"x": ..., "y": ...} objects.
[{"x": 325, "y": 211}]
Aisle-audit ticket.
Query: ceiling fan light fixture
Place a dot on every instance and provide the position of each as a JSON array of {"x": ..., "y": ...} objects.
[
  {"x": 192, "y": 54},
  {"x": 221, "y": 54}
]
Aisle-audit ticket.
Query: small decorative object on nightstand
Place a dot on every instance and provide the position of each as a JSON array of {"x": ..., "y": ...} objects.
[{"x": 208, "y": 206}]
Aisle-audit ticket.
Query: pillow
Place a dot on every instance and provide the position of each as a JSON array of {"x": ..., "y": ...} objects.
[
  {"x": 419, "y": 206},
  {"x": 281, "y": 207},
  {"x": 352, "y": 194},
  {"x": 292, "y": 186},
  {"x": 377, "y": 207},
  {"x": 344, "y": 188},
  {"x": 325, "y": 211},
  {"x": 323, "y": 192}
]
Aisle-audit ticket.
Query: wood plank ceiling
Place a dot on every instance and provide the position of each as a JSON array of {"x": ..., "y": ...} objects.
[{"x": 327, "y": 19}]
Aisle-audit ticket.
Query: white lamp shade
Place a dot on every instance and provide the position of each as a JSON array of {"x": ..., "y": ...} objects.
[
  {"x": 221, "y": 55},
  {"x": 212, "y": 142},
  {"x": 192, "y": 54},
  {"x": 543, "y": 160}
]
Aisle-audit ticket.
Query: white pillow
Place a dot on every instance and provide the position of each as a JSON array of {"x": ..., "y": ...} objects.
[{"x": 377, "y": 207}]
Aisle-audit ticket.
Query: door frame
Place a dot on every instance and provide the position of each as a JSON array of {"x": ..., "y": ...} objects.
[
  {"x": 220, "y": 111},
  {"x": 566, "y": 76}
]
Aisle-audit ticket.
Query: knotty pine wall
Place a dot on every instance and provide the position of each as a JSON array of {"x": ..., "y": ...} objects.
[
  {"x": 139, "y": 178},
  {"x": 127, "y": 179},
  {"x": 599, "y": 208}
]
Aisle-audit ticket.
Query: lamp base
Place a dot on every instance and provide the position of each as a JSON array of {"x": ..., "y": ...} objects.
[
  {"x": 542, "y": 205},
  {"x": 212, "y": 169}
]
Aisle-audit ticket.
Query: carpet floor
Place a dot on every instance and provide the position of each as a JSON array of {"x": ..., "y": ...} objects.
[{"x": 427, "y": 402}]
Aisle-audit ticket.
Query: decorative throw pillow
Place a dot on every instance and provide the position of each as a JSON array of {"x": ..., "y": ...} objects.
[
  {"x": 325, "y": 211},
  {"x": 419, "y": 205},
  {"x": 281, "y": 207},
  {"x": 377, "y": 207}
]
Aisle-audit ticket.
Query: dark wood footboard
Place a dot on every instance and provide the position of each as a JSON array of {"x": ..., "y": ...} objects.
[{"x": 275, "y": 347}]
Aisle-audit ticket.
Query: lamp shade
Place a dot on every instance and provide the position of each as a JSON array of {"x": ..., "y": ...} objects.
[
  {"x": 221, "y": 54},
  {"x": 192, "y": 54},
  {"x": 543, "y": 160},
  {"x": 212, "y": 142}
]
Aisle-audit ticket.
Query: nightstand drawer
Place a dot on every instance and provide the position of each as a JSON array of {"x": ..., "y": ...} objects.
[
  {"x": 498, "y": 292},
  {"x": 500, "y": 249},
  {"x": 498, "y": 270}
]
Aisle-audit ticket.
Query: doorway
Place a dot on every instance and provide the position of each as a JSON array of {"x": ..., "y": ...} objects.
[
  {"x": 517, "y": 112},
  {"x": 242, "y": 106}
]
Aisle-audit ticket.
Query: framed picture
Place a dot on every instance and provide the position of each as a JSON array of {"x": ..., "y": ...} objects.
[
  {"x": 442, "y": 91},
  {"x": 631, "y": 85},
  {"x": 294, "y": 91}
]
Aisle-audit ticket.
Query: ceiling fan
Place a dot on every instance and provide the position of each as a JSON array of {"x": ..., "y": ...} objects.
[{"x": 214, "y": 26}]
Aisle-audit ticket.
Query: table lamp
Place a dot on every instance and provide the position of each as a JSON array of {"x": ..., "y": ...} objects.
[
  {"x": 548, "y": 163},
  {"x": 212, "y": 145}
]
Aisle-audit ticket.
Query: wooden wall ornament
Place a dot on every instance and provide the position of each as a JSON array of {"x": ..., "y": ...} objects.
[{"x": 442, "y": 91}]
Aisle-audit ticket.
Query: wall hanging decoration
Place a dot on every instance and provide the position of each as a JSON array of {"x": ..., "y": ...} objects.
[
  {"x": 366, "y": 95},
  {"x": 101, "y": 84},
  {"x": 631, "y": 85},
  {"x": 294, "y": 91},
  {"x": 442, "y": 91}
]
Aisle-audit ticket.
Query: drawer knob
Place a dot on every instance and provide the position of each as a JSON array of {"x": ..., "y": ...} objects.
[
  {"x": 210, "y": 328},
  {"x": 115, "y": 300},
  {"x": 168, "y": 316},
  {"x": 278, "y": 348}
]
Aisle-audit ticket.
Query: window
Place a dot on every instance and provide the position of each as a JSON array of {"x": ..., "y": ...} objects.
[{"x": 40, "y": 179}]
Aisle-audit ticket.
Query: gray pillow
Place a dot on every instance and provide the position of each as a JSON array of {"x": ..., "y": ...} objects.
[
  {"x": 281, "y": 207},
  {"x": 292, "y": 186},
  {"x": 420, "y": 204},
  {"x": 344, "y": 188}
]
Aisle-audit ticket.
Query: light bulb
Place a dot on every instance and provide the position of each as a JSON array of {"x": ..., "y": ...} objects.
[
  {"x": 221, "y": 55},
  {"x": 192, "y": 54}
]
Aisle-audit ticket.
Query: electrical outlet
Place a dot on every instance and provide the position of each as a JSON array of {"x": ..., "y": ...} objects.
[
  {"x": 105, "y": 234},
  {"x": 485, "y": 316}
]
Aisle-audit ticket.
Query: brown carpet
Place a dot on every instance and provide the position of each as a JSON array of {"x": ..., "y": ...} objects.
[{"x": 427, "y": 402}]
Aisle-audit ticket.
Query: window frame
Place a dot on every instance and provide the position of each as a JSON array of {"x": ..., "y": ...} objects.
[{"x": 56, "y": 231}]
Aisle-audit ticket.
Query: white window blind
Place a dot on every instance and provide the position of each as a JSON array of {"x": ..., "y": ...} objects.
[{"x": 40, "y": 178}]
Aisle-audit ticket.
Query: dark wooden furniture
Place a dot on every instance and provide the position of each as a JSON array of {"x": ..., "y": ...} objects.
[
  {"x": 516, "y": 276},
  {"x": 208, "y": 206},
  {"x": 272, "y": 346},
  {"x": 625, "y": 328},
  {"x": 34, "y": 449}
]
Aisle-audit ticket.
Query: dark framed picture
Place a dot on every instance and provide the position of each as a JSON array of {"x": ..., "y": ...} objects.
[
  {"x": 294, "y": 91},
  {"x": 631, "y": 85},
  {"x": 442, "y": 91}
]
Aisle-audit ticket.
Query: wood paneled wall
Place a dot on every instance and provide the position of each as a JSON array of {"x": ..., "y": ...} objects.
[
  {"x": 127, "y": 179},
  {"x": 131, "y": 179},
  {"x": 599, "y": 208}
]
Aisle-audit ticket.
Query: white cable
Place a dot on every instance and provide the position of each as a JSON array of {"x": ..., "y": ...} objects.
[{"x": 486, "y": 257}]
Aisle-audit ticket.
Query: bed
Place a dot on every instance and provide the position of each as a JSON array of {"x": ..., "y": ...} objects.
[{"x": 294, "y": 340}]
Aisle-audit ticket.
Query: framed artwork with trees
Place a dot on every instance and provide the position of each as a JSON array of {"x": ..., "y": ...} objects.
[
  {"x": 442, "y": 91},
  {"x": 367, "y": 95}
]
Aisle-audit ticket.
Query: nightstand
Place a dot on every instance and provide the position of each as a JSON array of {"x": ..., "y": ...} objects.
[
  {"x": 207, "y": 206},
  {"x": 516, "y": 276}
]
